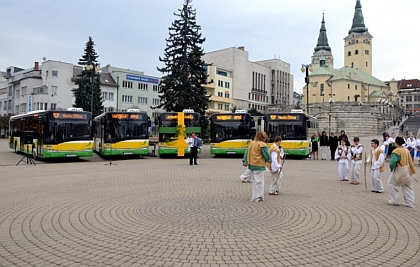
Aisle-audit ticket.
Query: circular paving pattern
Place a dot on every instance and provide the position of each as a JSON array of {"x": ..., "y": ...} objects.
[{"x": 106, "y": 219}]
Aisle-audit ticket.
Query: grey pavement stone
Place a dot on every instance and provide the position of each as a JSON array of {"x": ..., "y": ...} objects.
[{"x": 163, "y": 212}]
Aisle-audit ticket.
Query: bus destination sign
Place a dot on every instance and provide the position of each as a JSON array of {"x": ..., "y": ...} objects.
[
  {"x": 175, "y": 116},
  {"x": 229, "y": 117},
  {"x": 77, "y": 116},
  {"x": 128, "y": 116},
  {"x": 283, "y": 117}
]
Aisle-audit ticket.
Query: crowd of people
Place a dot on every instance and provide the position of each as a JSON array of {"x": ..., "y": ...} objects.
[{"x": 399, "y": 152}]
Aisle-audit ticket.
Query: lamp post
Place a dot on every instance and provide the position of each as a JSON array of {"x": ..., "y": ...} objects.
[
  {"x": 329, "y": 116},
  {"x": 306, "y": 69},
  {"x": 93, "y": 69}
]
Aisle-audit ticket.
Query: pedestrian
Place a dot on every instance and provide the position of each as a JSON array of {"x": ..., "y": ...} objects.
[
  {"x": 256, "y": 159},
  {"x": 391, "y": 145},
  {"x": 400, "y": 158},
  {"x": 383, "y": 135},
  {"x": 411, "y": 145},
  {"x": 342, "y": 156},
  {"x": 314, "y": 144},
  {"x": 323, "y": 143},
  {"x": 417, "y": 156},
  {"x": 246, "y": 177},
  {"x": 402, "y": 127},
  {"x": 193, "y": 146},
  {"x": 333, "y": 142},
  {"x": 376, "y": 161},
  {"x": 275, "y": 168},
  {"x": 343, "y": 136},
  {"x": 356, "y": 151}
]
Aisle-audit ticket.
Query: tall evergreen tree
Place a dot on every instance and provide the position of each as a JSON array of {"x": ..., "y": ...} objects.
[
  {"x": 185, "y": 74},
  {"x": 83, "y": 93}
]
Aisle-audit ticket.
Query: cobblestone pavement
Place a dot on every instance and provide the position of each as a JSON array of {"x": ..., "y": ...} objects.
[{"x": 163, "y": 212}]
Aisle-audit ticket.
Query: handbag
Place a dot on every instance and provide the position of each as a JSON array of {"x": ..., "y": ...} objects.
[{"x": 402, "y": 174}]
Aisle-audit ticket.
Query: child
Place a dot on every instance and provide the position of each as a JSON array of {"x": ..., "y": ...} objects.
[
  {"x": 376, "y": 161},
  {"x": 342, "y": 156},
  {"x": 356, "y": 152},
  {"x": 275, "y": 167}
]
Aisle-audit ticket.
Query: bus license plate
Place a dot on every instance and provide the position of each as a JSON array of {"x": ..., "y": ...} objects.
[
  {"x": 127, "y": 153},
  {"x": 231, "y": 152},
  {"x": 71, "y": 155}
]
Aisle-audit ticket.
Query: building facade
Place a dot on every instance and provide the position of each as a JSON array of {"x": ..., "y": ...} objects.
[
  {"x": 219, "y": 87},
  {"x": 255, "y": 85}
]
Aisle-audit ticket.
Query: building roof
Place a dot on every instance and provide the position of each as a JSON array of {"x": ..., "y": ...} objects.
[
  {"x": 106, "y": 78},
  {"x": 347, "y": 73},
  {"x": 409, "y": 84},
  {"x": 322, "y": 38},
  {"x": 358, "y": 25}
]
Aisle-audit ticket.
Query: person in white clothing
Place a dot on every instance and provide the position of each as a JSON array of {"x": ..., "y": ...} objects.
[
  {"x": 391, "y": 145},
  {"x": 410, "y": 143},
  {"x": 417, "y": 155},
  {"x": 376, "y": 161},
  {"x": 275, "y": 167},
  {"x": 356, "y": 151},
  {"x": 246, "y": 177},
  {"x": 342, "y": 156}
]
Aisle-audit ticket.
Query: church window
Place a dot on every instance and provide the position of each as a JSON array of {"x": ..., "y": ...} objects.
[
  {"x": 349, "y": 54},
  {"x": 352, "y": 65},
  {"x": 356, "y": 52},
  {"x": 366, "y": 52},
  {"x": 366, "y": 63},
  {"x": 348, "y": 98},
  {"x": 352, "y": 41},
  {"x": 355, "y": 87},
  {"x": 348, "y": 86},
  {"x": 322, "y": 90}
]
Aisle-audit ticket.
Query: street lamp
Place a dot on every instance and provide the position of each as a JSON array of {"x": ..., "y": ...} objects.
[
  {"x": 306, "y": 69},
  {"x": 329, "y": 116},
  {"x": 93, "y": 69}
]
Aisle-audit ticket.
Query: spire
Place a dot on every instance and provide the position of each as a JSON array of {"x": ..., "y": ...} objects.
[
  {"x": 358, "y": 20},
  {"x": 322, "y": 39}
]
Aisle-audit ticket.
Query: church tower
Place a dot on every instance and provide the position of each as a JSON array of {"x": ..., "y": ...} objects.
[
  {"x": 322, "y": 55},
  {"x": 358, "y": 44}
]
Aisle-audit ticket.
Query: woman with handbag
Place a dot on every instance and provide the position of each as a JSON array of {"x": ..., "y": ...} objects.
[{"x": 402, "y": 168}]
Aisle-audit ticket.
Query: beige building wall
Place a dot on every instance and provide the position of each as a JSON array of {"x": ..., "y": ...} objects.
[
  {"x": 358, "y": 51},
  {"x": 220, "y": 89}
]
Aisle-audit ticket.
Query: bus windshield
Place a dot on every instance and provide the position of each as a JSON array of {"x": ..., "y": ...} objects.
[
  {"x": 288, "y": 130},
  {"x": 230, "y": 130},
  {"x": 127, "y": 129},
  {"x": 58, "y": 131}
]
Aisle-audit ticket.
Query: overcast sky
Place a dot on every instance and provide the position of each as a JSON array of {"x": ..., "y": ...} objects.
[{"x": 131, "y": 33}]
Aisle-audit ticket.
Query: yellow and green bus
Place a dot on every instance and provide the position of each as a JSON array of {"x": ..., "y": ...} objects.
[
  {"x": 168, "y": 131},
  {"x": 118, "y": 133},
  {"x": 52, "y": 133},
  {"x": 295, "y": 129},
  {"x": 231, "y": 133}
]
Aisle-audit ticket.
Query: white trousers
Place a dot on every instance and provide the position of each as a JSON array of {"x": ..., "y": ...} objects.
[
  {"x": 246, "y": 176},
  {"x": 343, "y": 169},
  {"x": 355, "y": 171},
  {"x": 375, "y": 177},
  {"x": 407, "y": 190},
  {"x": 275, "y": 187},
  {"x": 323, "y": 152},
  {"x": 258, "y": 185}
]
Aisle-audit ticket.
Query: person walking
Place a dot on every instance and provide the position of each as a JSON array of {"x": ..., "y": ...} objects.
[
  {"x": 356, "y": 151},
  {"x": 411, "y": 145},
  {"x": 342, "y": 156},
  {"x": 275, "y": 168},
  {"x": 314, "y": 143},
  {"x": 256, "y": 159},
  {"x": 246, "y": 176},
  {"x": 376, "y": 161},
  {"x": 323, "y": 143},
  {"x": 417, "y": 156},
  {"x": 400, "y": 158},
  {"x": 333, "y": 142}
]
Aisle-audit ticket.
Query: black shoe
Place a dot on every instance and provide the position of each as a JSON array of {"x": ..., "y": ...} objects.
[
  {"x": 195, "y": 164},
  {"x": 191, "y": 164}
]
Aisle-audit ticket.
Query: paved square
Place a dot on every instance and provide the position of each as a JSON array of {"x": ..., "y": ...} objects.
[{"x": 164, "y": 212}]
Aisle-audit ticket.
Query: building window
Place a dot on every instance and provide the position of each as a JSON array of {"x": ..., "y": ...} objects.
[
  {"x": 155, "y": 88},
  {"x": 366, "y": 63},
  {"x": 416, "y": 98},
  {"x": 54, "y": 73},
  {"x": 105, "y": 95},
  {"x": 127, "y": 99},
  {"x": 227, "y": 107},
  {"x": 348, "y": 86},
  {"x": 219, "y": 106},
  {"x": 17, "y": 93},
  {"x": 143, "y": 86},
  {"x": 220, "y": 83},
  {"x": 223, "y": 73},
  {"x": 24, "y": 90},
  {"x": 111, "y": 96},
  {"x": 156, "y": 101},
  {"x": 352, "y": 64},
  {"x": 226, "y": 95},
  {"x": 321, "y": 92},
  {"x": 356, "y": 52},
  {"x": 142, "y": 100},
  {"x": 54, "y": 90},
  {"x": 220, "y": 94},
  {"x": 366, "y": 52},
  {"x": 53, "y": 106},
  {"x": 408, "y": 98},
  {"x": 355, "y": 87},
  {"x": 227, "y": 85},
  {"x": 127, "y": 84},
  {"x": 349, "y": 54}
]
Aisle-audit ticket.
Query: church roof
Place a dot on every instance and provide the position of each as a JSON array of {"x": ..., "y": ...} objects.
[
  {"x": 358, "y": 20},
  {"x": 347, "y": 73},
  {"x": 322, "y": 38}
]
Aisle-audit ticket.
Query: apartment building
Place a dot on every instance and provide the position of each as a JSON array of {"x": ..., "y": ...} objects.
[{"x": 219, "y": 88}]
